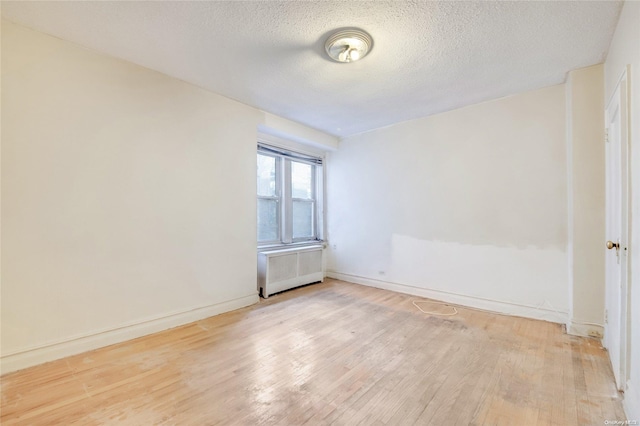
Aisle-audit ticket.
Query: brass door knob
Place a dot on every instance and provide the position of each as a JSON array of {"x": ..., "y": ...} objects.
[{"x": 611, "y": 244}]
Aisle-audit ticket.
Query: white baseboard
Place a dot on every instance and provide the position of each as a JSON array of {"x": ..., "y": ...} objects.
[
  {"x": 631, "y": 403},
  {"x": 497, "y": 306},
  {"x": 78, "y": 344},
  {"x": 584, "y": 329}
]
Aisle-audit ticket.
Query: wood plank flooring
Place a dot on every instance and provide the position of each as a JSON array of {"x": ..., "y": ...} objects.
[{"x": 331, "y": 353}]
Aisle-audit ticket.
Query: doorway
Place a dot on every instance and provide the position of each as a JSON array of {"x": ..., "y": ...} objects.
[{"x": 616, "y": 257}]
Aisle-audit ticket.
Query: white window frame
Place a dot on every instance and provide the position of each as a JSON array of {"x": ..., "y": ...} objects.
[
  {"x": 277, "y": 198},
  {"x": 284, "y": 158}
]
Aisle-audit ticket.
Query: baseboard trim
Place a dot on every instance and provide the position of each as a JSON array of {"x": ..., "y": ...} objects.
[
  {"x": 585, "y": 329},
  {"x": 475, "y": 302},
  {"x": 631, "y": 403},
  {"x": 79, "y": 344}
]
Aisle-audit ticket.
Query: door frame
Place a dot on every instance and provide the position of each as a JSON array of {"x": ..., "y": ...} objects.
[{"x": 621, "y": 94}]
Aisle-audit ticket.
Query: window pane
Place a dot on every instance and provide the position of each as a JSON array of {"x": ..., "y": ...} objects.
[
  {"x": 302, "y": 219},
  {"x": 266, "y": 175},
  {"x": 301, "y": 180},
  {"x": 267, "y": 220}
]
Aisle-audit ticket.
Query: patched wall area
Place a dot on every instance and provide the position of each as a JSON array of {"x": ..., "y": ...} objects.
[{"x": 471, "y": 202}]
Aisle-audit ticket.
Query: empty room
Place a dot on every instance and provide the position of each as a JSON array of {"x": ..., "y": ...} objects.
[{"x": 320, "y": 212}]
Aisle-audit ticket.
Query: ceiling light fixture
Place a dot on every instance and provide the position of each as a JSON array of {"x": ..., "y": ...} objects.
[{"x": 348, "y": 45}]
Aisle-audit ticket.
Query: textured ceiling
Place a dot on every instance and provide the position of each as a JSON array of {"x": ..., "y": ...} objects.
[{"x": 428, "y": 57}]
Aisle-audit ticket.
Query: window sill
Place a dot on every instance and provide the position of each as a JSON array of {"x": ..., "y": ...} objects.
[{"x": 301, "y": 244}]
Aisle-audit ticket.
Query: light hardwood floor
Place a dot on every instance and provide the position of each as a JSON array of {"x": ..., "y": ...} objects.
[{"x": 331, "y": 353}]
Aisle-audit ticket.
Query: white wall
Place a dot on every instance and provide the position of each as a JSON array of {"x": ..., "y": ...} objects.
[
  {"x": 468, "y": 206},
  {"x": 586, "y": 190},
  {"x": 624, "y": 50},
  {"x": 128, "y": 200}
]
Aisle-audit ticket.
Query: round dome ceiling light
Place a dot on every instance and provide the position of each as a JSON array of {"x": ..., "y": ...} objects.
[{"x": 348, "y": 45}]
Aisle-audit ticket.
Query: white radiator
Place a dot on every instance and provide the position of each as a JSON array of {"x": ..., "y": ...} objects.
[{"x": 282, "y": 269}]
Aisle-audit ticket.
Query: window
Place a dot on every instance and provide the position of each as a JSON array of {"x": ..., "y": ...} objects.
[{"x": 289, "y": 195}]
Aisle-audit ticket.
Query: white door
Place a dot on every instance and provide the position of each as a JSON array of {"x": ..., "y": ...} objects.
[{"x": 615, "y": 338}]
